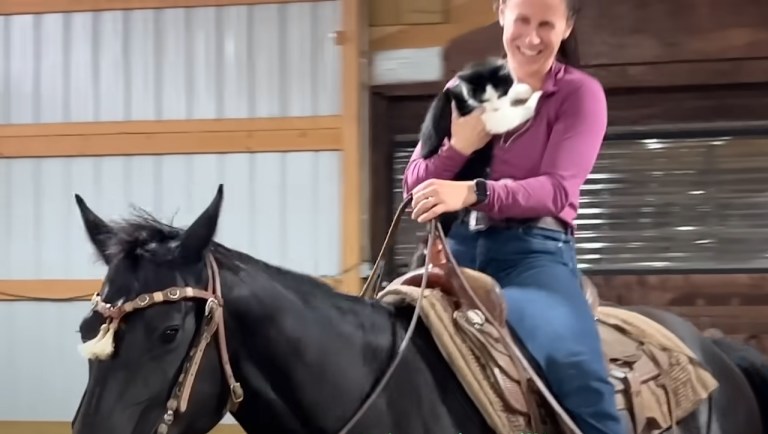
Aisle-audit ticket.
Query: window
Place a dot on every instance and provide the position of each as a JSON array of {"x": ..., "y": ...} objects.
[
  {"x": 655, "y": 204},
  {"x": 696, "y": 203}
]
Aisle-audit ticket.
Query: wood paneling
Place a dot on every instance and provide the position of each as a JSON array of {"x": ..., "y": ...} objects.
[
  {"x": 17, "y": 7},
  {"x": 408, "y": 12},
  {"x": 643, "y": 32},
  {"x": 636, "y": 43},
  {"x": 73, "y": 289},
  {"x": 311, "y": 133},
  {"x": 737, "y": 103},
  {"x": 734, "y": 303},
  {"x": 463, "y": 16},
  {"x": 681, "y": 74},
  {"x": 476, "y": 44}
]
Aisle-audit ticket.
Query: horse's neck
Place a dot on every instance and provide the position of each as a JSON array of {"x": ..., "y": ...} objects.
[{"x": 306, "y": 360}]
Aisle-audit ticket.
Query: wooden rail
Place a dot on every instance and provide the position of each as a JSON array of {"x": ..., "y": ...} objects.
[
  {"x": 18, "y": 7},
  {"x": 71, "y": 289},
  {"x": 310, "y": 133}
]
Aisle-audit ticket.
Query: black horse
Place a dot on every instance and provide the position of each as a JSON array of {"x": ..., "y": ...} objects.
[{"x": 306, "y": 356}]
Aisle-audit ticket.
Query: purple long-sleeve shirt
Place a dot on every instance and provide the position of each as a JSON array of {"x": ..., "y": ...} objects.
[{"x": 538, "y": 171}]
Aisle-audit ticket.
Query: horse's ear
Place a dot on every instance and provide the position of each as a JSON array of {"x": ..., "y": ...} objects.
[
  {"x": 200, "y": 234},
  {"x": 99, "y": 232}
]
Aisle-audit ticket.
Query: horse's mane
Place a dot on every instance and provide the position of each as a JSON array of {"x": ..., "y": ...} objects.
[{"x": 142, "y": 236}]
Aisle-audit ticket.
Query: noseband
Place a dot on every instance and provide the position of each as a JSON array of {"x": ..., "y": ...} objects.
[{"x": 102, "y": 346}]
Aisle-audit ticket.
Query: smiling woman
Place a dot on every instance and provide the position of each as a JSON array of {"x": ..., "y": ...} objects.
[{"x": 518, "y": 225}]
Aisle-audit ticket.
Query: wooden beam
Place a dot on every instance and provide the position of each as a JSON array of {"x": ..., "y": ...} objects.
[
  {"x": 464, "y": 16},
  {"x": 71, "y": 290},
  {"x": 351, "y": 212},
  {"x": 18, "y": 7},
  {"x": 311, "y": 133},
  {"x": 30, "y": 427}
]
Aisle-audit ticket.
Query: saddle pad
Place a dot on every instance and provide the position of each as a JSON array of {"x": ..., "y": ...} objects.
[
  {"x": 688, "y": 381},
  {"x": 437, "y": 314}
]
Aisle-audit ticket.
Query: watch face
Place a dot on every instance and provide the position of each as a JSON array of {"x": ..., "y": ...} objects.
[{"x": 481, "y": 190}]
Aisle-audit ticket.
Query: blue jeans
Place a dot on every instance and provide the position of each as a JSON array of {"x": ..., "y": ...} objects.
[{"x": 547, "y": 310}]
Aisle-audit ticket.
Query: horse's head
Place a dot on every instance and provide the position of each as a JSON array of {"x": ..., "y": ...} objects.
[{"x": 141, "y": 338}]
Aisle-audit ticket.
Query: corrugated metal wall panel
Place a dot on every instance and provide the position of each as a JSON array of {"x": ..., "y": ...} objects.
[
  {"x": 279, "y": 207},
  {"x": 676, "y": 204},
  {"x": 33, "y": 334},
  {"x": 185, "y": 63}
]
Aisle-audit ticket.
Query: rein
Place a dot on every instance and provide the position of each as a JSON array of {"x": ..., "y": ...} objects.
[
  {"x": 102, "y": 346},
  {"x": 375, "y": 279}
]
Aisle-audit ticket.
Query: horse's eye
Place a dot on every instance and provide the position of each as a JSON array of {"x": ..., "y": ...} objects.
[{"x": 169, "y": 334}]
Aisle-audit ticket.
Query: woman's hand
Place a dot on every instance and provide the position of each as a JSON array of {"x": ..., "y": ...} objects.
[
  {"x": 438, "y": 196},
  {"x": 468, "y": 133}
]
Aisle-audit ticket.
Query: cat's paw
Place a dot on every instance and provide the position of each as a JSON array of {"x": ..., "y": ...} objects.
[
  {"x": 520, "y": 91},
  {"x": 500, "y": 121},
  {"x": 533, "y": 99},
  {"x": 493, "y": 122}
]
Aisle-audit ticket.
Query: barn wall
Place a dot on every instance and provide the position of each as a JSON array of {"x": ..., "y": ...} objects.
[{"x": 238, "y": 62}]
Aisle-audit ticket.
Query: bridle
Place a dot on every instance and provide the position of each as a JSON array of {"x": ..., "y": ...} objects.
[{"x": 212, "y": 321}]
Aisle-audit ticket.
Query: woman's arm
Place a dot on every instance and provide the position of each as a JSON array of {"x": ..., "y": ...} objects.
[
  {"x": 570, "y": 155},
  {"x": 444, "y": 165},
  {"x": 468, "y": 134}
]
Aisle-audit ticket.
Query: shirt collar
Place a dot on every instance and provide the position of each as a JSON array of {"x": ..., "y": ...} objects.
[{"x": 555, "y": 73}]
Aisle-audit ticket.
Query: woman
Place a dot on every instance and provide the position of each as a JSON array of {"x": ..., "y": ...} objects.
[{"x": 530, "y": 202}]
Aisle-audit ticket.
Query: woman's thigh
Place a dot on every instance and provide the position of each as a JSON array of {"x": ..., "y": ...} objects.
[
  {"x": 547, "y": 310},
  {"x": 546, "y": 305},
  {"x": 463, "y": 245}
]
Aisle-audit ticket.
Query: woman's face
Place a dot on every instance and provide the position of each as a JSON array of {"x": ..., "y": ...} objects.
[{"x": 533, "y": 32}]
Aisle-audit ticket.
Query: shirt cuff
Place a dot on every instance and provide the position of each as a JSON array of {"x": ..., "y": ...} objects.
[{"x": 498, "y": 192}]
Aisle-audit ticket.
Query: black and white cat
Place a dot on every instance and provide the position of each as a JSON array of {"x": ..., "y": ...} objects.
[
  {"x": 507, "y": 104},
  {"x": 488, "y": 84}
]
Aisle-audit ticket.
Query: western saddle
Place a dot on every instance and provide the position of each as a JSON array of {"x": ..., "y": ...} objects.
[{"x": 657, "y": 379}]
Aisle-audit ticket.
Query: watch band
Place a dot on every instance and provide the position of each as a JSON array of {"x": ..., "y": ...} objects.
[{"x": 481, "y": 190}]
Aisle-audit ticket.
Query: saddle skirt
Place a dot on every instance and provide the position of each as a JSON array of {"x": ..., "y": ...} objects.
[{"x": 658, "y": 380}]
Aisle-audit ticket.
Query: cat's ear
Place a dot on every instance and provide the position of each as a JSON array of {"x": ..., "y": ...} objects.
[
  {"x": 462, "y": 77},
  {"x": 437, "y": 124},
  {"x": 455, "y": 92}
]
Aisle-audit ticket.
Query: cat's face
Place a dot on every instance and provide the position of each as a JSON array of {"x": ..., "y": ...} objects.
[{"x": 486, "y": 82}]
